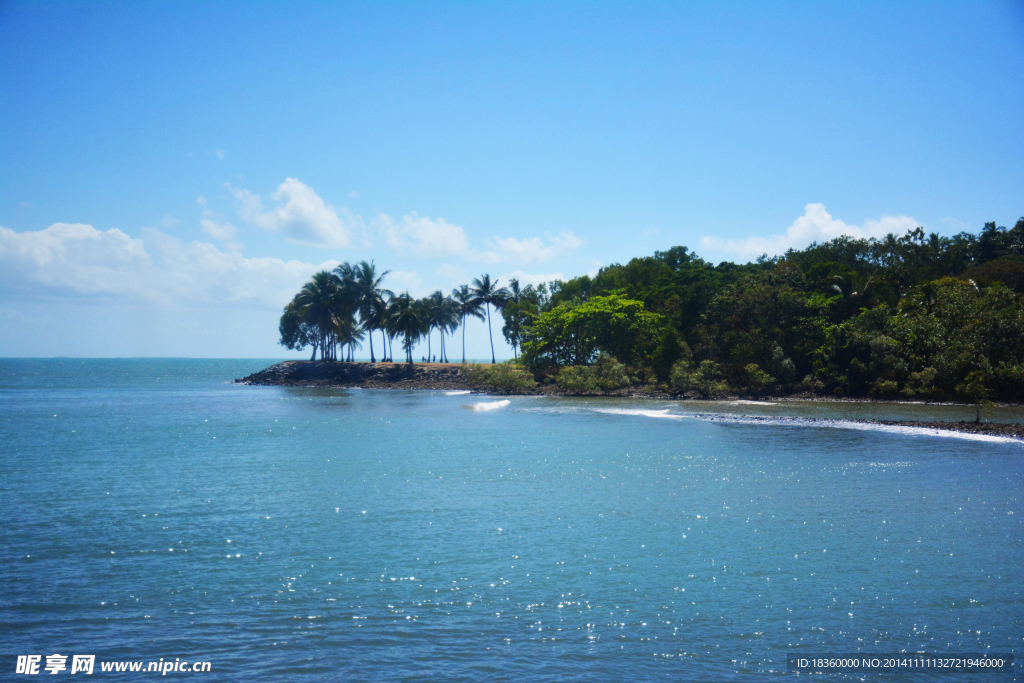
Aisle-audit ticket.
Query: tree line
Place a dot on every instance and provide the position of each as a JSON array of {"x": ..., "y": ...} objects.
[
  {"x": 916, "y": 316},
  {"x": 336, "y": 311}
]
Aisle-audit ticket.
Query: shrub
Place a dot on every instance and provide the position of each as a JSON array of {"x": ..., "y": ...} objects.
[
  {"x": 812, "y": 383},
  {"x": 507, "y": 377},
  {"x": 577, "y": 379},
  {"x": 884, "y": 387},
  {"x": 921, "y": 383},
  {"x": 1010, "y": 380},
  {"x": 510, "y": 378},
  {"x": 609, "y": 373},
  {"x": 705, "y": 379},
  {"x": 679, "y": 376},
  {"x": 474, "y": 372},
  {"x": 757, "y": 379}
]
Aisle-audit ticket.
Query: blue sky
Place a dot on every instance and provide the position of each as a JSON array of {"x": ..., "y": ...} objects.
[{"x": 171, "y": 172}]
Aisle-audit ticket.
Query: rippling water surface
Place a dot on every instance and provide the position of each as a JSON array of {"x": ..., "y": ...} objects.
[{"x": 152, "y": 509}]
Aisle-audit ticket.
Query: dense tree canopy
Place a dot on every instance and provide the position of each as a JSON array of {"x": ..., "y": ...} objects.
[{"x": 917, "y": 316}]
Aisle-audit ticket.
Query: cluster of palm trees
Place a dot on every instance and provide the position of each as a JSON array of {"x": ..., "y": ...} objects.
[{"x": 337, "y": 310}]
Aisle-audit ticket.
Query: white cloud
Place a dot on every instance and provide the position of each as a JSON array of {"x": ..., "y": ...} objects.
[
  {"x": 80, "y": 261},
  {"x": 532, "y": 249},
  {"x": 225, "y": 232},
  {"x": 437, "y": 238},
  {"x": 400, "y": 281},
  {"x": 425, "y": 237},
  {"x": 220, "y": 154},
  {"x": 529, "y": 278},
  {"x": 211, "y": 224},
  {"x": 300, "y": 214},
  {"x": 816, "y": 225}
]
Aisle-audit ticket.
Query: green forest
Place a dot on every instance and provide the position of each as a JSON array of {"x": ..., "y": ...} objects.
[{"x": 917, "y": 316}]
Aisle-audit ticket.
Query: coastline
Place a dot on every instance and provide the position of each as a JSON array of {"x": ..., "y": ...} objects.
[{"x": 448, "y": 377}]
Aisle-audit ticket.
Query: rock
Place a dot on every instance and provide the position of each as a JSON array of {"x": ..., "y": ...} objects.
[{"x": 367, "y": 375}]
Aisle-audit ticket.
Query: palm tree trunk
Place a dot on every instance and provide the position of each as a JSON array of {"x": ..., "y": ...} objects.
[
  {"x": 489, "y": 334},
  {"x": 428, "y": 344},
  {"x": 369, "y": 333},
  {"x": 383, "y": 342},
  {"x": 463, "y": 338}
]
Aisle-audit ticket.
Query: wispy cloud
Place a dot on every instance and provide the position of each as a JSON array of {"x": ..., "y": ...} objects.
[
  {"x": 427, "y": 237},
  {"x": 816, "y": 225},
  {"x": 300, "y": 214},
  {"x": 220, "y": 230},
  {"x": 404, "y": 281},
  {"x": 532, "y": 249},
  {"x": 530, "y": 278},
  {"x": 69, "y": 260}
]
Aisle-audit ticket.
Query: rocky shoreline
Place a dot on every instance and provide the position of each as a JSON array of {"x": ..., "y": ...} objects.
[
  {"x": 298, "y": 373},
  {"x": 449, "y": 377}
]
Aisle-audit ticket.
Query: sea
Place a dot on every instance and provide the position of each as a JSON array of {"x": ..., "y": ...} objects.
[{"x": 154, "y": 511}]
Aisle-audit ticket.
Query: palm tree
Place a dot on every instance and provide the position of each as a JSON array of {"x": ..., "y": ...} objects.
[
  {"x": 489, "y": 294},
  {"x": 467, "y": 305},
  {"x": 349, "y": 333},
  {"x": 442, "y": 313},
  {"x": 448, "y": 321},
  {"x": 378, "y": 317},
  {"x": 406, "y": 321},
  {"x": 368, "y": 290},
  {"x": 391, "y": 327},
  {"x": 317, "y": 303},
  {"x": 514, "y": 295},
  {"x": 422, "y": 307},
  {"x": 437, "y": 316}
]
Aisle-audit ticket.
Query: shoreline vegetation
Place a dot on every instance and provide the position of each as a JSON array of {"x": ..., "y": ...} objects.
[
  {"x": 457, "y": 377},
  {"x": 915, "y": 317}
]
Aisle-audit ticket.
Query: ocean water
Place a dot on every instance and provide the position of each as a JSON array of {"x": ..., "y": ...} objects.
[{"x": 151, "y": 509}]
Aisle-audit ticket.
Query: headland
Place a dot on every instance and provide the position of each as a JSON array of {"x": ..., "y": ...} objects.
[{"x": 453, "y": 377}]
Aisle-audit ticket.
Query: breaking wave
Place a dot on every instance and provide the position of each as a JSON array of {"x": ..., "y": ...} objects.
[
  {"x": 643, "y": 413},
  {"x": 812, "y": 422},
  {"x": 491, "y": 405}
]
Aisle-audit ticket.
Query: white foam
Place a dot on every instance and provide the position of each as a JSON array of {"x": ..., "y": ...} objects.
[
  {"x": 493, "y": 405},
  {"x": 925, "y": 431},
  {"x": 862, "y": 426},
  {"x": 741, "y": 402},
  {"x": 642, "y": 413},
  {"x": 804, "y": 422},
  {"x": 457, "y": 393}
]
